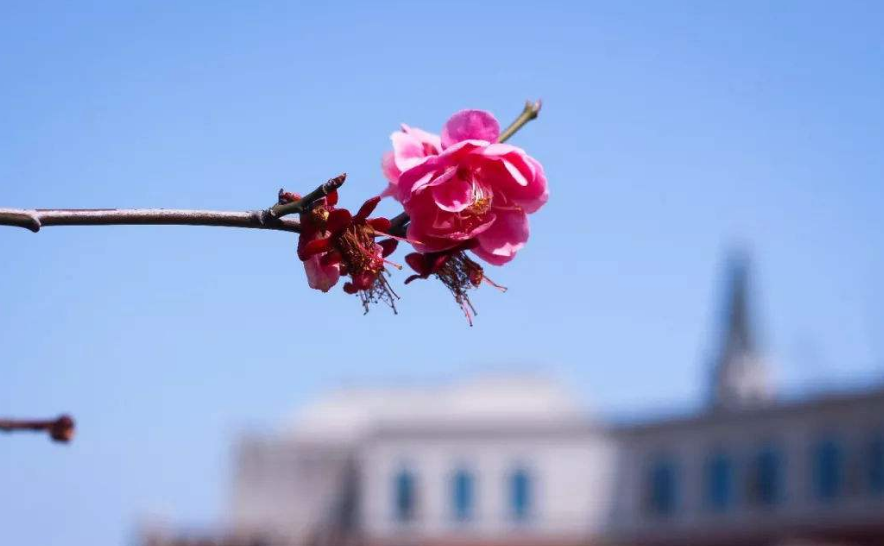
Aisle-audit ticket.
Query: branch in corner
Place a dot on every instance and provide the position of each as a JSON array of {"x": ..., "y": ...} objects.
[{"x": 60, "y": 429}]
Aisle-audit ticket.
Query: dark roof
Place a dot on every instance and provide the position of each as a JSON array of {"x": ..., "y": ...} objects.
[{"x": 831, "y": 399}]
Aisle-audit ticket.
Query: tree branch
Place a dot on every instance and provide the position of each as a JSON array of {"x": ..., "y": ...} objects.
[
  {"x": 60, "y": 429},
  {"x": 305, "y": 203},
  {"x": 271, "y": 218},
  {"x": 36, "y": 219}
]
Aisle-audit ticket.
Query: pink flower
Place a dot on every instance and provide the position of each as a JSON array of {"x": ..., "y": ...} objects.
[
  {"x": 474, "y": 188},
  {"x": 411, "y": 146}
]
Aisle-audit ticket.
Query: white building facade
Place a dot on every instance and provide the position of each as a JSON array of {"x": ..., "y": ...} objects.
[{"x": 516, "y": 461}]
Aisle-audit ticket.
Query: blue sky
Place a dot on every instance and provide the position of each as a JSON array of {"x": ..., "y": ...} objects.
[{"x": 670, "y": 131}]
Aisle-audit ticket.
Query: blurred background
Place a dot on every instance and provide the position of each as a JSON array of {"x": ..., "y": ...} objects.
[{"x": 691, "y": 349}]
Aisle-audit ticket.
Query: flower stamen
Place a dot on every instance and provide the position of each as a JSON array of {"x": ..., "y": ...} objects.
[{"x": 457, "y": 272}]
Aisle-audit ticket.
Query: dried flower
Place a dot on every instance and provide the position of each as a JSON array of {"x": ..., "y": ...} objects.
[
  {"x": 344, "y": 244},
  {"x": 319, "y": 276},
  {"x": 62, "y": 429},
  {"x": 456, "y": 271}
]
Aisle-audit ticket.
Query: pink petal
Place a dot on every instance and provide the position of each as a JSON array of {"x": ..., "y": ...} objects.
[
  {"x": 321, "y": 277},
  {"x": 429, "y": 221},
  {"x": 407, "y": 150},
  {"x": 470, "y": 125},
  {"x": 517, "y": 175},
  {"x": 424, "y": 242},
  {"x": 497, "y": 149},
  {"x": 390, "y": 191},
  {"x": 533, "y": 203},
  {"x": 422, "y": 174},
  {"x": 489, "y": 257},
  {"x": 441, "y": 177},
  {"x": 388, "y": 167},
  {"x": 499, "y": 243},
  {"x": 431, "y": 143},
  {"x": 518, "y": 178},
  {"x": 413, "y": 180},
  {"x": 521, "y": 166},
  {"x": 454, "y": 195}
]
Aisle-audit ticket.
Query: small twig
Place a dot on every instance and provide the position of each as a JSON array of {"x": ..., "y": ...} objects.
[
  {"x": 303, "y": 204},
  {"x": 531, "y": 111},
  {"x": 60, "y": 429},
  {"x": 35, "y": 219}
]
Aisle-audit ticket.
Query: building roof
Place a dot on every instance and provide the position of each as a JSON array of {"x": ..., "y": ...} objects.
[
  {"x": 348, "y": 414},
  {"x": 825, "y": 400}
]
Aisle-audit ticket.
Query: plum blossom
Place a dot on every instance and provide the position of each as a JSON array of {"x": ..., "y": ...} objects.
[{"x": 468, "y": 187}]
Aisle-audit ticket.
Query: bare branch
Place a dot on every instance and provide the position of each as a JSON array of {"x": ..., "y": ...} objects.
[
  {"x": 283, "y": 209},
  {"x": 35, "y": 219},
  {"x": 271, "y": 219},
  {"x": 60, "y": 429}
]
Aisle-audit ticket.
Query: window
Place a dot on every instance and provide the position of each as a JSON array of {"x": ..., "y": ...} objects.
[
  {"x": 875, "y": 464},
  {"x": 405, "y": 496},
  {"x": 828, "y": 470},
  {"x": 463, "y": 495},
  {"x": 719, "y": 482},
  {"x": 765, "y": 478},
  {"x": 662, "y": 488},
  {"x": 520, "y": 492}
]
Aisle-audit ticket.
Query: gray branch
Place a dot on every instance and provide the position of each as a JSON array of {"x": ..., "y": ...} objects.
[{"x": 36, "y": 219}]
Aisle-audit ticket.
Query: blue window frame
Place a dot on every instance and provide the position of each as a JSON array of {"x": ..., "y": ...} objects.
[
  {"x": 663, "y": 487},
  {"x": 405, "y": 496},
  {"x": 828, "y": 469},
  {"x": 521, "y": 491},
  {"x": 766, "y": 478},
  {"x": 719, "y": 482},
  {"x": 463, "y": 495},
  {"x": 875, "y": 464}
]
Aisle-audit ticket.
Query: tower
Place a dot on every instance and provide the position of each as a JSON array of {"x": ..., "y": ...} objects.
[{"x": 740, "y": 377}]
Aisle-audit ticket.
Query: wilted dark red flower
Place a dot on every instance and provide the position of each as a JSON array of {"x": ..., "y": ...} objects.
[
  {"x": 338, "y": 243},
  {"x": 456, "y": 271},
  {"x": 319, "y": 276},
  {"x": 62, "y": 429}
]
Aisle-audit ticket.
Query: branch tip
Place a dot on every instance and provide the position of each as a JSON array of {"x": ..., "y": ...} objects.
[
  {"x": 306, "y": 203},
  {"x": 60, "y": 429}
]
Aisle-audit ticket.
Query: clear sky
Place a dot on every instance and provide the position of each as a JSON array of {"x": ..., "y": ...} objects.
[{"x": 670, "y": 131}]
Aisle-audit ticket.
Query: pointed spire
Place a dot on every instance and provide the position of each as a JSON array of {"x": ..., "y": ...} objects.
[
  {"x": 739, "y": 337},
  {"x": 740, "y": 377}
]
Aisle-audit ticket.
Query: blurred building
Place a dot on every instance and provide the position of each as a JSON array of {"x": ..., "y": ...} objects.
[{"x": 516, "y": 461}]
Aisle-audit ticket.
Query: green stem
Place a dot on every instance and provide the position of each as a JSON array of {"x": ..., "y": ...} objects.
[
  {"x": 532, "y": 109},
  {"x": 303, "y": 204}
]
